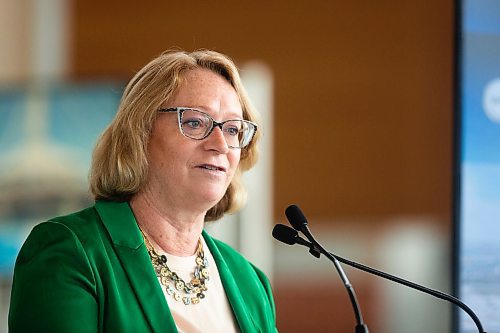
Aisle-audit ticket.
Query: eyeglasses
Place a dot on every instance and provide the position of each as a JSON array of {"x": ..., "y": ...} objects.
[{"x": 198, "y": 125}]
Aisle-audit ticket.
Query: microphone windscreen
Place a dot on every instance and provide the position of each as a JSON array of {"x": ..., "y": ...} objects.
[
  {"x": 295, "y": 217},
  {"x": 285, "y": 234}
]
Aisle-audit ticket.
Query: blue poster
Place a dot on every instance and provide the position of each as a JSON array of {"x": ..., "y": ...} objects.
[
  {"x": 47, "y": 133},
  {"x": 479, "y": 214}
]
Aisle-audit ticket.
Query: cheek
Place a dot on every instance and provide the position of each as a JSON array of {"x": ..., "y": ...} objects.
[
  {"x": 234, "y": 157},
  {"x": 156, "y": 151},
  {"x": 234, "y": 161},
  {"x": 161, "y": 157}
]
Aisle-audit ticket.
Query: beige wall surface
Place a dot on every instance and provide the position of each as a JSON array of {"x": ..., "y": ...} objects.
[{"x": 15, "y": 41}]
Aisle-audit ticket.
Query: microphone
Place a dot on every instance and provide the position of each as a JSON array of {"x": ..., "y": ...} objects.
[
  {"x": 295, "y": 217},
  {"x": 299, "y": 223},
  {"x": 289, "y": 236},
  {"x": 292, "y": 237}
]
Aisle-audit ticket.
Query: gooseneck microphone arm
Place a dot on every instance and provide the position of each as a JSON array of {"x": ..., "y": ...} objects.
[
  {"x": 298, "y": 220},
  {"x": 360, "y": 325},
  {"x": 290, "y": 236}
]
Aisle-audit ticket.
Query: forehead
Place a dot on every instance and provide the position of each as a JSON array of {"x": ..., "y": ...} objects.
[
  {"x": 201, "y": 75},
  {"x": 206, "y": 89}
]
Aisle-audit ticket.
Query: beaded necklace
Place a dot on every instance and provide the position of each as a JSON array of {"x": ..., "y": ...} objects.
[{"x": 189, "y": 293}]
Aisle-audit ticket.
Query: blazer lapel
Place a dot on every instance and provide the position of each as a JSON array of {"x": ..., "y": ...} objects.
[
  {"x": 231, "y": 288},
  {"x": 119, "y": 220}
]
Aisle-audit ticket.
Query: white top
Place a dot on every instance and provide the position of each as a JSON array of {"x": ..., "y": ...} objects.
[{"x": 213, "y": 313}]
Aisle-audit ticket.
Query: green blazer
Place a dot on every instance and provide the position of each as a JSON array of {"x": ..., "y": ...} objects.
[{"x": 90, "y": 272}]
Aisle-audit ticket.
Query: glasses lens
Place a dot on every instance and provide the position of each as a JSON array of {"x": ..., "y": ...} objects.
[
  {"x": 238, "y": 133},
  {"x": 195, "y": 124}
]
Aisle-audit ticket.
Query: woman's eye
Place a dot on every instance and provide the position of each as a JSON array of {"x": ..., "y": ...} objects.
[
  {"x": 193, "y": 123},
  {"x": 232, "y": 130}
]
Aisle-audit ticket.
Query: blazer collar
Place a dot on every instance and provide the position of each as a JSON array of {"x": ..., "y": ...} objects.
[
  {"x": 231, "y": 288},
  {"x": 121, "y": 225},
  {"x": 120, "y": 222}
]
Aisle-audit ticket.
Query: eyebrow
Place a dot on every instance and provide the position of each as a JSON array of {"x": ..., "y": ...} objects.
[{"x": 231, "y": 114}]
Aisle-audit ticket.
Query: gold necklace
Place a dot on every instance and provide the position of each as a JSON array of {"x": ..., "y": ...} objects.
[{"x": 188, "y": 293}]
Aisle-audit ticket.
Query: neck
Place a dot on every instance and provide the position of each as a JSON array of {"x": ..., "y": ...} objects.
[{"x": 169, "y": 229}]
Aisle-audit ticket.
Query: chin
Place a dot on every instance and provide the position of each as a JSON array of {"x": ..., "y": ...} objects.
[{"x": 212, "y": 198}]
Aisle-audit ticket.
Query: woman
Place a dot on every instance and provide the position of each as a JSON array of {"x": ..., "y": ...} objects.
[{"x": 139, "y": 259}]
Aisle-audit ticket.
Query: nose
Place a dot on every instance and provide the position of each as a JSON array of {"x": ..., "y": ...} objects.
[{"x": 216, "y": 141}]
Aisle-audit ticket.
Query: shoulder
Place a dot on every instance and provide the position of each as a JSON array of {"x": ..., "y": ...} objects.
[
  {"x": 78, "y": 221},
  {"x": 53, "y": 270},
  {"x": 51, "y": 248},
  {"x": 72, "y": 230}
]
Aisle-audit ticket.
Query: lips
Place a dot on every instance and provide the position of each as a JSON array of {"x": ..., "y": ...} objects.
[{"x": 212, "y": 167}]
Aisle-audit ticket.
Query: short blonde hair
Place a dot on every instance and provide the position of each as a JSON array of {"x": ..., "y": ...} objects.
[{"x": 119, "y": 166}]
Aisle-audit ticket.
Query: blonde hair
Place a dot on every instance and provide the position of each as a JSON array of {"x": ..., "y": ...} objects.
[{"x": 119, "y": 166}]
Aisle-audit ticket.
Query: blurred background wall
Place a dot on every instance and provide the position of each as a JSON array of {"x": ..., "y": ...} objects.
[{"x": 362, "y": 110}]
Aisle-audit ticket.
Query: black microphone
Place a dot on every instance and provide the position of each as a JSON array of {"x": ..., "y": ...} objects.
[
  {"x": 299, "y": 223},
  {"x": 289, "y": 236},
  {"x": 295, "y": 217},
  {"x": 292, "y": 237}
]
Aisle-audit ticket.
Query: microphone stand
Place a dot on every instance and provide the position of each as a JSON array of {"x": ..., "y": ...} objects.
[
  {"x": 433, "y": 292},
  {"x": 316, "y": 249},
  {"x": 314, "y": 246},
  {"x": 299, "y": 223}
]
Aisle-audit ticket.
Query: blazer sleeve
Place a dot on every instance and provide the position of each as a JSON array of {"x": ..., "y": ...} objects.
[{"x": 53, "y": 287}]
